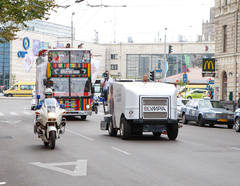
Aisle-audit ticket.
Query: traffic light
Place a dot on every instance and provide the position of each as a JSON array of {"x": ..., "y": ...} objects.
[
  {"x": 170, "y": 49},
  {"x": 152, "y": 77}
]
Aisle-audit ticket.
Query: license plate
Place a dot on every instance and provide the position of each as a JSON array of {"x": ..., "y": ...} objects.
[{"x": 222, "y": 120}]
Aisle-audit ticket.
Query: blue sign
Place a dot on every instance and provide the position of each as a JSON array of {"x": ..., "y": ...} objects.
[
  {"x": 26, "y": 43},
  {"x": 22, "y": 54},
  {"x": 207, "y": 87},
  {"x": 184, "y": 77},
  {"x": 159, "y": 70},
  {"x": 211, "y": 82}
]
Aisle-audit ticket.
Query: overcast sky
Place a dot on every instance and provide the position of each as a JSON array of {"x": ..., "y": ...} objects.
[{"x": 143, "y": 20}]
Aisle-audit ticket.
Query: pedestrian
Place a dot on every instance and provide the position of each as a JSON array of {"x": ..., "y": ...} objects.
[
  {"x": 80, "y": 46},
  {"x": 68, "y": 45},
  {"x": 105, "y": 84},
  {"x": 204, "y": 94},
  {"x": 145, "y": 78},
  {"x": 210, "y": 95}
]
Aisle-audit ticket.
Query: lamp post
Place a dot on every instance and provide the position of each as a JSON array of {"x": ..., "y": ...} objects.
[{"x": 72, "y": 29}]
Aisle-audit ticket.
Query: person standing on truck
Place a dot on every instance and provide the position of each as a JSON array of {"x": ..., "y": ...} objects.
[
  {"x": 105, "y": 84},
  {"x": 145, "y": 78}
]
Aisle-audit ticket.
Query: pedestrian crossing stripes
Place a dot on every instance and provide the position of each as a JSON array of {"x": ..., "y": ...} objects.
[{"x": 17, "y": 113}]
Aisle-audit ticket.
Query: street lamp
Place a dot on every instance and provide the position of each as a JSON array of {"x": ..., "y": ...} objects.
[{"x": 72, "y": 29}]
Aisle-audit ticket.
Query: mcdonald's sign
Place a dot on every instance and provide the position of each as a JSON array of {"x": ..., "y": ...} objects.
[{"x": 208, "y": 64}]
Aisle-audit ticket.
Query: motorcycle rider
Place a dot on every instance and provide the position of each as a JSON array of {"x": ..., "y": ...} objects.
[{"x": 48, "y": 93}]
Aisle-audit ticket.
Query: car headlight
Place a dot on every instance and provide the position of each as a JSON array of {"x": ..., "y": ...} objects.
[
  {"x": 52, "y": 114},
  {"x": 230, "y": 115},
  {"x": 87, "y": 106},
  {"x": 212, "y": 115}
]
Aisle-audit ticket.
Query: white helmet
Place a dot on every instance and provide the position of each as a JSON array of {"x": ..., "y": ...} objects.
[{"x": 48, "y": 91}]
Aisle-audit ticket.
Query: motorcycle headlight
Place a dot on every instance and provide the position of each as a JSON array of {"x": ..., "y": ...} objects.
[
  {"x": 52, "y": 114},
  {"x": 87, "y": 106},
  {"x": 212, "y": 115}
]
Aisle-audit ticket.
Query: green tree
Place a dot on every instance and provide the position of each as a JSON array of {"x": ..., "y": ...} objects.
[
  {"x": 13, "y": 79},
  {"x": 16, "y": 12}
]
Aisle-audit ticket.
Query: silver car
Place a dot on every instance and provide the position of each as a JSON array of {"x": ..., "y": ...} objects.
[{"x": 180, "y": 102}]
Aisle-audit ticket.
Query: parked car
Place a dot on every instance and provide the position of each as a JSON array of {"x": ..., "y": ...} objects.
[
  {"x": 194, "y": 94},
  {"x": 180, "y": 102},
  {"x": 206, "y": 111},
  {"x": 237, "y": 120}
]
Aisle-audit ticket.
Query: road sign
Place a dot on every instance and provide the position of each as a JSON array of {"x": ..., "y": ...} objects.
[
  {"x": 211, "y": 82},
  {"x": 207, "y": 87},
  {"x": 184, "y": 69},
  {"x": 159, "y": 70},
  {"x": 184, "y": 77}
]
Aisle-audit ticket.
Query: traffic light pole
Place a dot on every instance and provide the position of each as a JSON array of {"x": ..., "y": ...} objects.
[{"x": 165, "y": 46}]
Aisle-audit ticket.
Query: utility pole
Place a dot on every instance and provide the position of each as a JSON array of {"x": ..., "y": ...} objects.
[{"x": 72, "y": 29}]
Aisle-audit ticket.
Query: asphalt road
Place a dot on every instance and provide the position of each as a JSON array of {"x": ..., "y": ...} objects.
[{"x": 85, "y": 155}]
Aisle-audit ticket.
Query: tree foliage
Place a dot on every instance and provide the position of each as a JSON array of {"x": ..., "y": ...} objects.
[{"x": 17, "y": 12}]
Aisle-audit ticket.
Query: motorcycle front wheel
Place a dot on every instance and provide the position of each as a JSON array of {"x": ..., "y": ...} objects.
[{"x": 52, "y": 139}]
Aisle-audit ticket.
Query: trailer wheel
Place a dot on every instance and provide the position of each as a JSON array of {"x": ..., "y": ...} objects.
[
  {"x": 172, "y": 130},
  {"x": 111, "y": 131},
  {"x": 124, "y": 129}
]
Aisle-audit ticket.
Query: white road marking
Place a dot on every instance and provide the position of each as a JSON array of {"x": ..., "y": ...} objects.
[
  {"x": 235, "y": 148},
  {"x": 3, "y": 183},
  {"x": 80, "y": 135},
  {"x": 120, "y": 150},
  {"x": 80, "y": 168},
  {"x": 1, "y": 114},
  {"x": 13, "y": 113},
  {"x": 17, "y": 121},
  {"x": 27, "y": 113},
  {"x": 5, "y": 121}
]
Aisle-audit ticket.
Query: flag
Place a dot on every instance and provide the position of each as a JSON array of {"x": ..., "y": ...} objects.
[
  {"x": 28, "y": 61},
  {"x": 95, "y": 66},
  {"x": 166, "y": 69}
]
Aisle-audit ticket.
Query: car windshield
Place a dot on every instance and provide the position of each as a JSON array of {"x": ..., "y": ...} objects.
[
  {"x": 181, "y": 102},
  {"x": 210, "y": 104}
]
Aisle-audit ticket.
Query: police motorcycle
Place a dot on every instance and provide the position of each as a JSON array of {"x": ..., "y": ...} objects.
[{"x": 49, "y": 122}]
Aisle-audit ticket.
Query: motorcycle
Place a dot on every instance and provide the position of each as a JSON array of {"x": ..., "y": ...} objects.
[{"x": 49, "y": 123}]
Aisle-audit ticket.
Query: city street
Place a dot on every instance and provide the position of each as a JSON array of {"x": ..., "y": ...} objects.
[{"x": 85, "y": 155}]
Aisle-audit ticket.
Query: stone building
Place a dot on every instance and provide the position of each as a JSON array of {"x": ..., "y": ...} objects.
[
  {"x": 208, "y": 28},
  {"x": 227, "y": 48}
]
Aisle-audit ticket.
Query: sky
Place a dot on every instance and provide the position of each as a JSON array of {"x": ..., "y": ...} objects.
[{"x": 142, "y": 20}]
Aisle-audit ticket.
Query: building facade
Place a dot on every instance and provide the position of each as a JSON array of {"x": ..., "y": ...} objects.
[
  {"x": 227, "y": 48},
  {"x": 132, "y": 60}
]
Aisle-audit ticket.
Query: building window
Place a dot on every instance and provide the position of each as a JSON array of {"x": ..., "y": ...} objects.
[
  {"x": 225, "y": 38},
  {"x": 226, "y": 2},
  {"x": 114, "y": 67},
  {"x": 114, "y": 56}
]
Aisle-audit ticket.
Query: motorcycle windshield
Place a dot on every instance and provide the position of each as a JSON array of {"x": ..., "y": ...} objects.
[{"x": 51, "y": 104}]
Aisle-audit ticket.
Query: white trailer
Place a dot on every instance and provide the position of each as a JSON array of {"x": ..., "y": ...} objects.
[{"x": 137, "y": 107}]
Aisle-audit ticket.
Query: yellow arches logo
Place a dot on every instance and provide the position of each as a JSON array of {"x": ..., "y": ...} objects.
[{"x": 208, "y": 65}]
